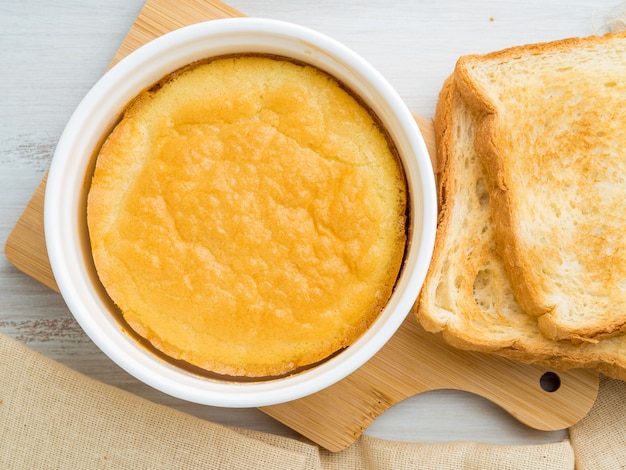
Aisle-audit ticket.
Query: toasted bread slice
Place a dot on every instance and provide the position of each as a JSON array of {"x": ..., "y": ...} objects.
[
  {"x": 553, "y": 139},
  {"x": 467, "y": 294}
]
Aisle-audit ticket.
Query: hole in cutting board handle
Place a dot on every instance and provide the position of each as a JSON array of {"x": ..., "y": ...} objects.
[{"x": 550, "y": 382}]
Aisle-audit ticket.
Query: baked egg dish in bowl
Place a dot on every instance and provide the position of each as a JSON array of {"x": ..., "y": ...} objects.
[{"x": 241, "y": 212}]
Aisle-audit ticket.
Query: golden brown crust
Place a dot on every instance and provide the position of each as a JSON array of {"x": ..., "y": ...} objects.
[
  {"x": 247, "y": 216},
  {"x": 535, "y": 261},
  {"x": 442, "y": 124},
  {"x": 467, "y": 295}
]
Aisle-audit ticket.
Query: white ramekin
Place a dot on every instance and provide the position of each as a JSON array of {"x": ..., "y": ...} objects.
[{"x": 69, "y": 178}]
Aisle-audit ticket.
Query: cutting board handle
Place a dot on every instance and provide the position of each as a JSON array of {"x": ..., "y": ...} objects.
[{"x": 416, "y": 361}]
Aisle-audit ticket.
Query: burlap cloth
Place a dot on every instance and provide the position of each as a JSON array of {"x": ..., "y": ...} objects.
[{"x": 53, "y": 417}]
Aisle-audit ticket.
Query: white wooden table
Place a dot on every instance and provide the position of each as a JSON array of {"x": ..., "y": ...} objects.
[{"x": 51, "y": 53}]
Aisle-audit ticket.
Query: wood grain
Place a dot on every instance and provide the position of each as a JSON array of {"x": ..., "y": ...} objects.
[
  {"x": 412, "y": 362},
  {"x": 159, "y": 17},
  {"x": 415, "y": 361},
  {"x": 26, "y": 245}
]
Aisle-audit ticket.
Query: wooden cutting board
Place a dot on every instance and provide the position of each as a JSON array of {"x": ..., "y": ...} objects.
[{"x": 413, "y": 361}]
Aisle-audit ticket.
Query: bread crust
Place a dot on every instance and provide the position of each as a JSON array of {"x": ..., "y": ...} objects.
[
  {"x": 467, "y": 295},
  {"x": 542, "y": 256}
]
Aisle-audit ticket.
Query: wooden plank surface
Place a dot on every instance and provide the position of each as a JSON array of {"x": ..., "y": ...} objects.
[
  {"x": 412, "y": 362},
  {"x": 26, "y": 245}
]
